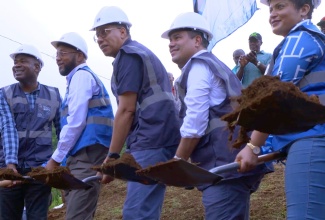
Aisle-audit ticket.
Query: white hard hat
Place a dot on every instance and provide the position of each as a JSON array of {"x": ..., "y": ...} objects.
[
  {"x": 30, "y": 50},
  {"x": 110, "y": 14},
  {"x": 190, "y": 20},
  {"x": 316, "y": 3},
  {"x": 74, "y": 40}
]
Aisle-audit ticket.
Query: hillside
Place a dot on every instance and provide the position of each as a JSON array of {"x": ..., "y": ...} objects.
[{"x": 180, "y": 204}]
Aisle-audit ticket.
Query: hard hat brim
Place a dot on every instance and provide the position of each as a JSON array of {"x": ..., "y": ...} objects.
[
  {"x": 56, "y": 43},
  {"x": 166, "y": 33},
  {"x": 128, "y": 24},
  {"x": 13, "y": 55}
]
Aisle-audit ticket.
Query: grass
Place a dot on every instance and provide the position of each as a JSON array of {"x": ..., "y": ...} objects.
[{"x": 56, "y": 198}]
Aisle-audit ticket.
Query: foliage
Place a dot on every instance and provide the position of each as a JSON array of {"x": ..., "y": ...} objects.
[{"x": 56, "y": 198}]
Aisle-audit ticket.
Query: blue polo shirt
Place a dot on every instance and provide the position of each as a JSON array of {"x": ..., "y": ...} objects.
[
  {"x": 251, "y": 72},
  {"x": 136, "y": 69}
]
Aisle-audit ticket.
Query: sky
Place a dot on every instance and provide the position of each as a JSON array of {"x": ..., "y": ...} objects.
[{"x": 38, "y": 22}]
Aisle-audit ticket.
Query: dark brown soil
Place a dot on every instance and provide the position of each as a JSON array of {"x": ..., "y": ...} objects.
[
  {"x": 274, "y": 107},
  {"x": 125, "y": 159},
  {"x": 180, "y": 204},
  {"x": 9, "y": 174},
  {"x": 60, "y": 177}
]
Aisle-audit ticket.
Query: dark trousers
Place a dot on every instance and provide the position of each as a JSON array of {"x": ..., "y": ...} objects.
[{"x": 35, "y": 196}]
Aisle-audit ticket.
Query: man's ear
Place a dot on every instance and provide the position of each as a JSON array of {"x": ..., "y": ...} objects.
[
  {"x": 81, "y": 57},
  {"x": 198, "y": 40},
  {"x": 123, "y": 32},
  {"x": 37, "y": 66}
]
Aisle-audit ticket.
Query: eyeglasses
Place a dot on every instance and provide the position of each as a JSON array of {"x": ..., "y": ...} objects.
[
  {"x": 63, "y": 53},
  {"x": 103, "y": 33}
]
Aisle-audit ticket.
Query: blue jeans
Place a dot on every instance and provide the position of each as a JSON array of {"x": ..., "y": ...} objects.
[
  {"x": 229, "y": 199},
  {"x": 305, "y": 179},
  {"x": 145, "y": 201}
]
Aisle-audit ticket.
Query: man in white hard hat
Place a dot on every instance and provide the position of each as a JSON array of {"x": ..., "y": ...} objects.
[
  {"x": 205, "y": 87},
  {"x": 146, "y": 118},
  {"x": 86, "y": 121},
  {"x": 35, "y": 108}
]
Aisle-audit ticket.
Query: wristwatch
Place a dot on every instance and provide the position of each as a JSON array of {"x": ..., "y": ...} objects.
[
  {"x": 258, "y": 63},
  {"x": 114, "y": 155},
  {"x": 256, "y": 150}
]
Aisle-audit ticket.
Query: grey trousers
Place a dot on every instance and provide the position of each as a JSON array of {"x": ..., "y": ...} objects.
[{"x": 81, "y": 204}]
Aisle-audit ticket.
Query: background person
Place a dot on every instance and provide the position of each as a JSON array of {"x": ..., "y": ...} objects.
[
  {"x": 86, "y": 120},
  {"x": 300, "y": 59},
  {"x": 205, "y": 87},
  {"x": 236, "y": 55},
  {"x": 146, "y": 119},
  {"x": 321, "y": 24},
  {"x": 35, "y": 108},
  {"x": 254, "y": 64}
]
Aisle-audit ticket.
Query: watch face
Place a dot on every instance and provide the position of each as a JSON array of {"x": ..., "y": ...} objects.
[{"x": 257, "y": 150}]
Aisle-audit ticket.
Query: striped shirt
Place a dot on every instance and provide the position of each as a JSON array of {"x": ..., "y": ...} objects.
[{"x": 8, "y": 131}]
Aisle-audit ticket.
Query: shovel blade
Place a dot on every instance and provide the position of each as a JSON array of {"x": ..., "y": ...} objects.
[
  {"x": 125, "y": 172},
  {"x": 60, "y": 178},
  {"x": 124, "y": 168},
  {"x": 184, "y": 174},
  {"x": 64, "y": 181},
  {"x": 179, "y": 173}
]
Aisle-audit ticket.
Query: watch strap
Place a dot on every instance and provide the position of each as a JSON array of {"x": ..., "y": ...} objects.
[{"x": 114, "y": 155}]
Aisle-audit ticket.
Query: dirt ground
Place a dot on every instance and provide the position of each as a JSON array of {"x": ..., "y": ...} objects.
[{"x": 180, "y": 204}]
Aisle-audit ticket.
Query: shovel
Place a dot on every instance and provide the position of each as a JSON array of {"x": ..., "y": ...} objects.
[
  {"x": 124, "y": 168},
  {"x": 59, "y": 179},
  {"x": 180, "y": 173}
]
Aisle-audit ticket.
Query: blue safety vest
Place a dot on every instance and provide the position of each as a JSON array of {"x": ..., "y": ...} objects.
[
  {"x": 34, "y": 127},
  {"x": 99, "y": 122}
]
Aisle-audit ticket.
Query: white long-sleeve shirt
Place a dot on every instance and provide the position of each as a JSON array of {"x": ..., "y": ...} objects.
[
  {"x": 81, "y": 89},
  {"x": 203, "y": 91}
]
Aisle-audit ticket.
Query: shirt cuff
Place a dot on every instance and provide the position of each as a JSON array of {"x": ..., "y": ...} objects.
[
  {"x": 12, "y": 161},
  {"x": 58, "y": 156}
]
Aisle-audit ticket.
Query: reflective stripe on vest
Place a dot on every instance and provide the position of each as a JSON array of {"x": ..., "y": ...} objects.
[
  {"x": 313, "y": 78},
  {"x": 9, "y": 93},
  {"x": 158, "y": 95},
  {"x": 35, "y": 134},
  {"x": 215, "y": 123},
  {"x": 99, "y": 120},
  {"x": 229, "y": 88},
  {"x": 54, "y": 101},
  {"x": 92, "y": 104}
]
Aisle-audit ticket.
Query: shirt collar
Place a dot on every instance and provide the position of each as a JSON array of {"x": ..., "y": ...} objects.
[
  {"x": 195, "y": 55},
  {"x": 36, "y": 90},
  {"x": 70, "y": 75}
]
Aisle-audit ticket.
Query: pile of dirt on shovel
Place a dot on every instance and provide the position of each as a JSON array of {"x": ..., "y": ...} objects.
[
  {"x": 274, "y": 107},
  {"x": 9, "y": 174},
  {"x": 55, "y": 178},
  {"x": 126, "y": 159}
]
